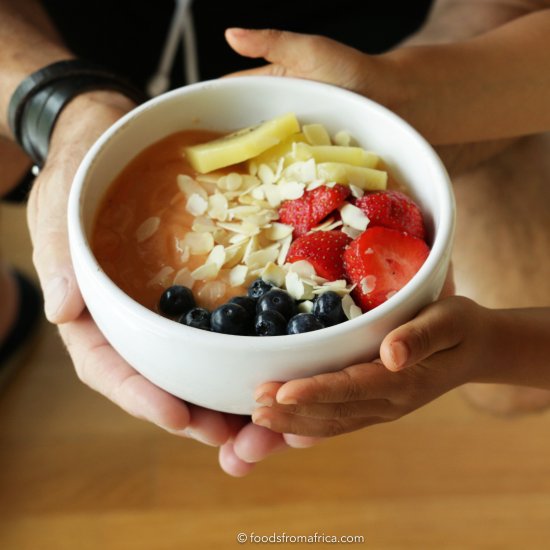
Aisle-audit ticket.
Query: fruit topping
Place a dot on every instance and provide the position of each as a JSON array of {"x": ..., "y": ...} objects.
[
  {"x": 270, "y": 323},
  {"x": 324, "y": 250},
  {"x": 241, "y": 145},
  {"x": 303, "y": 322},
  {"x": 328, "y": 309},
  {"x": 394, "y": 210},
  {"x": 258, "y": 288},
  {"x": 312, "y": 207},
  {"x": 380, "y": 262},
  {"x": 277, "y": 300},
  {"x": 197, "y": 317},
  {"x": 245, "y": 301},
  {"x": 176, "y": 300},
  {"x": 230, "y": 319}
]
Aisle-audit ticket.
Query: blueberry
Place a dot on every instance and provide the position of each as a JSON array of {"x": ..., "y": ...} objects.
[
  {"x": 328, "y": 309},
  {"x": 197, "y": 317},
  {"x": 277, "y": 300},
  {"x": 230, "y": 319},
  {"x": 270, "y": 323},
  {"x": 248, "y": 303},
  {"x": 176, "y": 300},
  {"x": 258, "y": 288},
  {"x": 303, "y": 322}
]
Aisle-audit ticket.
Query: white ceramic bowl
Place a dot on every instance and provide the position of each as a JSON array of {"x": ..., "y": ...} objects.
[{"x": 220, "y": 371}]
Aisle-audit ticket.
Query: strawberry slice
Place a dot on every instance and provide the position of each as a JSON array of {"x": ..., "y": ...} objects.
[
  {"x": 312, "y": 207},
  {"x": 324, "y": 250},
  {"x": 380, "y": 262},
  {"x": 394, "y": 210}
]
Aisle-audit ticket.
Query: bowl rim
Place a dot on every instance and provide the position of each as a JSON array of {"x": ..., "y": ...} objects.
[{"x": 441, "y": 245}]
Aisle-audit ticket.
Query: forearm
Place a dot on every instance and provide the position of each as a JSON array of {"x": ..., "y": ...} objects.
[
  {"x": 454, "y": 20},
  {"x": 28, "y": 42},
  {"x": 517, "y": 349},
  {"x": 492, "y": 86}
]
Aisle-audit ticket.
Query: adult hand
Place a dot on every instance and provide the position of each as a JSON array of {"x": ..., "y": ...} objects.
[
  {"x": 377, "y": 77},
  {"x": 319, "y": 58},
  {"x": 443, "y": 347},
  {"x": 96, "y": 362}
]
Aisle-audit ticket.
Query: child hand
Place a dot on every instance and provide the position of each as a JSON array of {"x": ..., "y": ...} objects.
[{"x": 435, "y": 352}]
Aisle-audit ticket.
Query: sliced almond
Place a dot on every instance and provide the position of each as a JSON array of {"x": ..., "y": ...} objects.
[
  {"x": 260, "y": 258},
  {"x": 272, "y": 194},
  {"x": 147, "y": 229},
  {"x": 211, "y": 293},
  {"x": 339, "y": 287},
  {"x": 162, "y": 278},
  {"x": 297, "y": 288},
  {"x": 351, "y": 232},
  {"x": 357, "y": 192},
  {"x": 278, "y": 231},
  {"x": 305, "y": 172},
  {"x": 183, "y": 250},
  {"x": 217, "y": 256},
  {"x": 327, "y": 225},
  {"x": 305, "y": 307},
  {"x": 285, "y": 246},
  {"x": 234, "y": 254},
  {"x": 237, "y": 275},
  {"x": 351, "y": 310},
  {"x": 266, "y": 175},
  {"x": 243, "y": 211},
  {"x": 204, "y": 224},
  {"x": 238, "y": 238},
  {"x": 217, "y": 207},
  {"x": 231, "y": 182},
  {"x": 198, "y": 243},
  {"x": 367, "y": 284},
  {"x": 243, "y": 228},
  {"x": 303, "y": 268},
  {"x": 205, "y": 272},
  {"x": 273, "y": 273},
  {"x": 188, "y": 186},
  {"x": 353, "y": 216},
  {"x": 196, "y": 205},
  {"x": 291, "y": 190},
  {"x": 183, "y": 277}
]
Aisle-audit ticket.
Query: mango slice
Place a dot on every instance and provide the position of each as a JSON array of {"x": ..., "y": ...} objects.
[
  {"x": 241, "y": 145},
  {"x": 364, "y": 178}
]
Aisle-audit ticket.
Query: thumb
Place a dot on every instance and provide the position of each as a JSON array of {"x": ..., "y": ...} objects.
[
  {"x": 278, "y": 47},
  {"x": 47, "y": 221},
  {"x": 440, "y": 326}
]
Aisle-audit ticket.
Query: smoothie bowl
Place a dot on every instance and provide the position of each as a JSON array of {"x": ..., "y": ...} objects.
[{"x": 252, "y": 229}]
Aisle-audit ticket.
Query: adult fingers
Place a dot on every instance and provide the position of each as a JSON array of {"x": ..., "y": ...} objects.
[
  {"x": 254, "y": 443},
  {"x": 47, "y": 220},
  {"x": 231, "y": 464},
  {"x": 79, "y": 125},
  {"x": 280, "y": 47},
  {"x": 99, "y": 366}
]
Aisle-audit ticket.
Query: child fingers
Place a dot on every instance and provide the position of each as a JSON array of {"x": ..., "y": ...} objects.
[
  {"x": 308, "y": 426},
  {"x": 343, "y": 410},
  {"x": 266, "y": 393},
  {"x": 440, "y": 326},
  {"x": 355, "y": 383}
]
